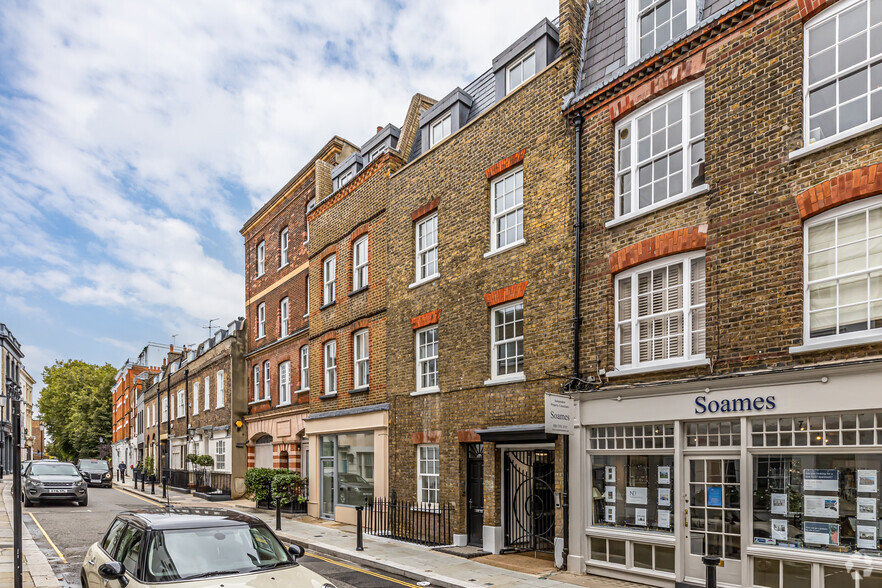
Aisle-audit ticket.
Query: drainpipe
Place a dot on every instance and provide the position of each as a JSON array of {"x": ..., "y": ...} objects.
[
  {"x": 187, "y": 413},
  {"x": 168, "y": 414},
  {"x": 577, "y": 321}
]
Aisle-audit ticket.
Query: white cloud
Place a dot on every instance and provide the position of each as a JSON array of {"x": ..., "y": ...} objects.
[{"x": 136, "y": 138}]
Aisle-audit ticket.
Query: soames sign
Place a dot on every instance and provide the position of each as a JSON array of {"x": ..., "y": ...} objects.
[
  {"x": 742, "y": 404},
  {"x": 560, "y": 414}
]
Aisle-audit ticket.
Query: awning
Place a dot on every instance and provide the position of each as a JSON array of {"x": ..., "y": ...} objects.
[{"x": 516, "y": 434}]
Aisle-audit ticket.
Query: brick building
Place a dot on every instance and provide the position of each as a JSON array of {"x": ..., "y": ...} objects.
[
  {"x": 125, "y": 446},
  {"x": 732, "y": 283},
  {"x": 479, "y": 325},
  {"x": 277, "y": 279},
  {"x": 348, "y": 255}
]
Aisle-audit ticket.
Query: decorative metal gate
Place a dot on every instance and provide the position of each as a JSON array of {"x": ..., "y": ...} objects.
[{"x": 529, "y": 500}]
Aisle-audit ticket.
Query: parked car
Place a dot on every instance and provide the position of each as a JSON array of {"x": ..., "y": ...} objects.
[
  {"x": 193, "y": 548},
  {"x": 354, "y": 489},
  {"x": 53, "y": 480},
  {"x": 96, "y": 472},
  {"x": 24, "y": 466}
]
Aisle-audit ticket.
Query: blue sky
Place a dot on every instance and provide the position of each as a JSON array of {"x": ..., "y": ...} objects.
[{"x": 137, "y": 137}]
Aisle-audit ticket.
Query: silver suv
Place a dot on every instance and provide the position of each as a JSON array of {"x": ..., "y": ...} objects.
[{"x": 53, "y": 480}]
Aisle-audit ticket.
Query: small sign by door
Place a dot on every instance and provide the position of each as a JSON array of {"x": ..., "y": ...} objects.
[{"x": 560, "y": 414}]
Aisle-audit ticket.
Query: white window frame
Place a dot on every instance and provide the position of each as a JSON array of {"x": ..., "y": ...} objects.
[
  {"x": 329, "y": 279},
  {"x": 633, "y": 34},
  {"x": 360, "y": 263},
  {"x": 424, "y": 457},
  {"x": 818, "y": 21},
  {"x": 261, "y": 321},
  {"x": 283, "y": 248},
  {"x": 519, "y": 62},
  {"x": 164, "y": 412},
  {"x": 181, "y": 407},
  {"x": 439, "y": 124},
  {"x": 220, "y": 454},
  {"x": 376, "y": 153},
  {"x": 838, "y": 339},
  {"x": 494, "y": 344},
  {"x": 207, "y": 405},
  {"x": 171, "y": 408},
  {"x": 261, "y": 258},
  {"x": 267, "y": 382},
  {"x": 306, "y": 314},
  {"x": 687, "y": 143},
  {"x": 330, "y": 367},
  {"x": 304, "y": 368},
  {"x": 220, "y": 389},
  {"x": 283, "y": 314},
  {"x": 309, "y": 206},
  {"x": 496, "y": 215},
  {"x": 421, "y": 362},
  {"x": 420, "y": 223},
  {"x": 284, "y": 383},
  {"x": 257, "y": 396},
  {"x": 688, "y": 358},
  {"x": 195, "y": 397},
  {"x": 360, "y": 364}
]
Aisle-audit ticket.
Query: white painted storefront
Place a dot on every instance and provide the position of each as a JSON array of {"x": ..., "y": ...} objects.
[{"x": 778, "y": 474}]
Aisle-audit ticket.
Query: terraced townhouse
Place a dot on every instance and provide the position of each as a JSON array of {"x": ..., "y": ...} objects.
[{"x": 731, "y": 172}]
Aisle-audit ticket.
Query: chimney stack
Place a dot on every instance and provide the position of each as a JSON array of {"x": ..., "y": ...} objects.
[{"x": 379, "y": 129}]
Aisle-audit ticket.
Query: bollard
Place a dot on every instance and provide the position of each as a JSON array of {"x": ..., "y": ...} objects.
[
  {"x": 711, "y": 563},
  {"x": 152, "y": 484},
  {"x": 164, "y": 482},
  {"x": 143, "y": 482},
  {"x": 359, "y": 529},
  {"x": 279, "y": 513}
]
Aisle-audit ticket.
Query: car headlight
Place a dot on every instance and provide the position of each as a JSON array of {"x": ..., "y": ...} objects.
[
  {"x": 328, "y": 585},
  {"x": 107, "y": 475}
]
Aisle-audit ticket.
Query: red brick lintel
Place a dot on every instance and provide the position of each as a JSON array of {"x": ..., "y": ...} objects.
[
  {"x": 506, "y": 164},
  {"x": 506, "y": 294},
  {"x": 425, "y": 209},
  {"x": 420, "y": 437},
  {"x": 671, "y": 243},
  {"x": 424, "y": 320},
  {"x": 468, "y": 436},
  {"x": 809, "y": 8},
  {"x": 848, "y": 187}
]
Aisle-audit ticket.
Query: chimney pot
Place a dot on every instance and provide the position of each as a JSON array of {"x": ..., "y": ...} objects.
[{"x": 379, "y": 129}]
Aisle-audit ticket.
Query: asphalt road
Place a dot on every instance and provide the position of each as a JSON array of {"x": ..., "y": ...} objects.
[{"x": 72, "y": 529}]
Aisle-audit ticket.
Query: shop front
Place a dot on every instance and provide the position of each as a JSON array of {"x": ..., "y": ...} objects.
[
  {"x": 777, "y": 476},
  {"x": 349, "y": 457}
]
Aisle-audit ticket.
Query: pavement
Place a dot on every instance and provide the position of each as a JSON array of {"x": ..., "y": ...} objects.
[
  {"x": 37, "y": 571},
  {"x": 415, "y": 562}
]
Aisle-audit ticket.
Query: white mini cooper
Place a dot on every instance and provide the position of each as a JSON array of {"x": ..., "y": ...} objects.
[{"x": 196, "y": 548}]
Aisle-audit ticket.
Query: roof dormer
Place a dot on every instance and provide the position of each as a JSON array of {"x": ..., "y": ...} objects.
[
  {"x": 385, "y": 139},
  {"x": 443, "y": 119},
  {"x": 526, "y": 56},
  {"x": 346, "y": 170}
]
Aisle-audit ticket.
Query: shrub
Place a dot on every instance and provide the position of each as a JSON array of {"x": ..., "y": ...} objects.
[
  {"x": 288, "y": 486},
  {"x": 258, "y": 483},
  {"x": 149, "y": 466},
  {"x": 205, "y": 461}
]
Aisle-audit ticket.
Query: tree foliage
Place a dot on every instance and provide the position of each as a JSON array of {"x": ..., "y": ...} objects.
[{"x": 76, "y": 405}]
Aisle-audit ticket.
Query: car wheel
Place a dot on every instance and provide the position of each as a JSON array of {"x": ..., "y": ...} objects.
[
  {"x": 84, "y": 582},
  {"x": 27, "y": 501},
  {"x": 84, "y": 501}
]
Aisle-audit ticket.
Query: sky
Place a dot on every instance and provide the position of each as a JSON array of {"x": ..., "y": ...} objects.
[{"x": 136, "y": 138}]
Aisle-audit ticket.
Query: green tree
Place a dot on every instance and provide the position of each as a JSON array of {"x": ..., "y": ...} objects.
[{"x": 76, "y": 405}]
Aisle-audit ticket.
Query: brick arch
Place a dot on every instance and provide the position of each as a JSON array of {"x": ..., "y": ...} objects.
[
  {"x": 663, "y": 245},
  {"x": 854, "y": 185}
]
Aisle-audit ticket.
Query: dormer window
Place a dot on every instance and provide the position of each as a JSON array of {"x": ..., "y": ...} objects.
[
  {"x": 376, "y": 153},
  {"x": 520, "y": 71},
  {"x": 440, "y": 130},
  {"x": 655, "y": 23}
]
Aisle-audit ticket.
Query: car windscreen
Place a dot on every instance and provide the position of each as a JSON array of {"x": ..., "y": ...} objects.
[
  {"x": 94, "y": 466},
  {"x": 193, "y": 553},
  {"x": 53, "y": 469}
]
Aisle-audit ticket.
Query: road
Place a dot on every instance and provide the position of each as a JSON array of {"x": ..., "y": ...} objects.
[{"x": 72, "y": 529}]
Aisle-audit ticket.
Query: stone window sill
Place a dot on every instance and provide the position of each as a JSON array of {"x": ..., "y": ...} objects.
[
  {"x": 425, "y": 391},
  {"x": 508, "y": 247},
  {"x": 835, "y": 140},
  {"x": 328, "y": 396},
  {"x": 505, "y": 380},
  {"x": 693, "y": 192},
  {"x": 360, "y": 390},
  {"x": 359, "y": 291},
  {"x": 836, "y": 343},
  {"x": 328, "y": 305},
  {"x": 261, "y": 401},
  {"x": 674, "y": 365},
  {"x": 424, "y": 281}
]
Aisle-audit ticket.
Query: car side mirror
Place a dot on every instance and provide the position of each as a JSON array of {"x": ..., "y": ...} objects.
[
  {"x": 114, "y": 570},
  {"x": 296, "y": 551}
]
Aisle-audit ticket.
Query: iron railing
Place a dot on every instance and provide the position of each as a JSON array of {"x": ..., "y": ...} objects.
[
  {"x": 409, "y": 521},
  {"x": 293, "y": 507},
  {"x": 177, "y": 478}
]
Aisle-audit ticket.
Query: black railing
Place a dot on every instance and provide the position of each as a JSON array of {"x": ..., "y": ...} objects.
[
  {"x": 213, "y": 482},
  {"x": 409, "y": 521},
  {"x": 178, "y": 478},
  {"x": 293, "y": 507}
]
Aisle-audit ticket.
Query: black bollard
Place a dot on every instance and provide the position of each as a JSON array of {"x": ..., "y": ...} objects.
[
  {"x": 711, "y": 563},
  {"x": 359, "y": 529},
  {"x": 152, "y": 485},
  {"x": 164, "y": 483},
  {"x": 279, "y": 513}
]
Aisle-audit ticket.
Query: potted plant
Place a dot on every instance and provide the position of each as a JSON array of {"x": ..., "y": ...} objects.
[
  {"x": 258, "y": 485},
  {"x": 191, "y": 459},
  {"x": 205, "y": 462},
  {"x": 287, "y": 486},
  {"x": 149, "y": 468}
]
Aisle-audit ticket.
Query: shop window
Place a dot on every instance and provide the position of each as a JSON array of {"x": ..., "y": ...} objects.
[
  {"x": 773, "y": 573},
  {"x": 653, "y": 436},
  {"x": 355, "y": 476},
  {"x": 713, "y": 434},
  {"x": 846, "y": 429},
  {"x": 653, "y": 557},
  {"x": 633, "y": 491},
  {"x": 817, "y": 501}
]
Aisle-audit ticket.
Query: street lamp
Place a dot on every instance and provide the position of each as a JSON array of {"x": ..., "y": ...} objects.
[
  {"x": 43, "y": 441},
  {"x": 13, "y": 393}
]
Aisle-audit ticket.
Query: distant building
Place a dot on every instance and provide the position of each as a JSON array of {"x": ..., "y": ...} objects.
[
  {"x": 124, "y": 442},
  {"x": 11, "y": 358}
]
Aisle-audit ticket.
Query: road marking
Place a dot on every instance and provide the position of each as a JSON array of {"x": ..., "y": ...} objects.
[
  {"x": 360, "y": 570},
  {"x": 153, "y": 502},
  {"x": 46, "y": 535}
]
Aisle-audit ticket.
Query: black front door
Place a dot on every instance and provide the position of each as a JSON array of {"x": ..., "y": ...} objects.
[{"x": 475, "y": 494}]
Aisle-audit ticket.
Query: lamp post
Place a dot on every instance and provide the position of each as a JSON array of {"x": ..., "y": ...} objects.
[
  {"x": 43, "y": 441},
  {"x": 13, "y": 394}
]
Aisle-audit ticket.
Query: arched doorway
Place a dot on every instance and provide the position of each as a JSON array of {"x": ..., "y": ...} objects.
[{"x": 263, "y": 451}]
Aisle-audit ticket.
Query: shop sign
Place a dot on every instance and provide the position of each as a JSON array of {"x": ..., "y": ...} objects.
[
  {"x": 560, "y": 414},
  {"x": 744, "y": 404}
]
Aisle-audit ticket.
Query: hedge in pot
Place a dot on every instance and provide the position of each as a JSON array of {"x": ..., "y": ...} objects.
[
  {"x": 205, "y": 462},
  {"x": 258, "y": 484},
  {"x": 288, "y": 486}
]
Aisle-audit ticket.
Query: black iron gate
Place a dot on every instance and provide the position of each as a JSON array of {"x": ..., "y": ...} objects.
[{"x": 529, "y": 500}]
